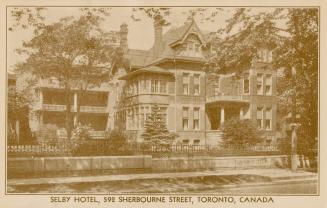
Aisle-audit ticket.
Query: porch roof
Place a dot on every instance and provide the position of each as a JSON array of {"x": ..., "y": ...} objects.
[{"x": 148, "y": 69}]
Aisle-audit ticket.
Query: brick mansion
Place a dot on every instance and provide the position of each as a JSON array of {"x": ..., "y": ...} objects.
[{"x": 171, "y": 76}]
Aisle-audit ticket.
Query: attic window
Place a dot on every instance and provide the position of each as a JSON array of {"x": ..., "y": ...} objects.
[
  {"x": 190, "y": 46},
  {"x": 197, "y": 47}
]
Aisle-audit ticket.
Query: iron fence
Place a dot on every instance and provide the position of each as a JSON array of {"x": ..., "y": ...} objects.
[{"x": 99, "y": 147}]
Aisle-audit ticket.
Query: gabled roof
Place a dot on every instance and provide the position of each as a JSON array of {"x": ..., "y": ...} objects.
[
  {"x": 142, "y": 58},
  {"x": 136, "y": 57}
]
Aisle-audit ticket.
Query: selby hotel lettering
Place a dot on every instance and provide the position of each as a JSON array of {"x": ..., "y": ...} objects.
[{"x": 170, "y": 75}]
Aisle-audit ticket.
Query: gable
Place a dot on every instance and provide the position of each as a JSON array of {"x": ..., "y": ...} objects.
[{"x": 193, "y": 31}]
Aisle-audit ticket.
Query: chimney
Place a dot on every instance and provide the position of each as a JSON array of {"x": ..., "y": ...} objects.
[
  {"x": 123, "y": 36},
  {"x": 158, "y": 24}
]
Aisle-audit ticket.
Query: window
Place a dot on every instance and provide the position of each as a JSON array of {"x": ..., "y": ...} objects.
[
  {"x": 197, "y": 47},
  {"x": 190, "y": 46},
  {"x": 143, "y": 83},
  {"x": 265, "y": 55},
  {"x": 246, "y": 84},
  {"x": 196, "y": 84},
  {"x": 137, "y": 120},
  {"x": 136, "y": 87},
  {"x": 196, "y": 141},
  {"x": 268, "y": 118},
  {"x": 185, "y": 83},
  {"x": 196, "y": 118},
  {"x": 154, "y": 86},
  {"x": 163, "y": 87},
  {"x": 185, "y": 141},
  {"x": 185, "y": 118},
  {"x": 259, "y": 84},
  {"x": 268, "y": 90},
  {"x": 259, "y": 117},
  {"x": 142, "y": 117}
]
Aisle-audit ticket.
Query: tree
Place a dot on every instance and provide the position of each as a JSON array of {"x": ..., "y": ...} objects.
[
  {"x": 292, "y": 34},
  {"x": 18, "y": 111},
  {"x": 73, "y": 51},
  {"x": 155, "y": 130},
  {"x": 240, "y": 132}
]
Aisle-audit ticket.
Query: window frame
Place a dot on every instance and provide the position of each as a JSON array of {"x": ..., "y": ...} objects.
[
  {"x": 187, "y": 78},
  {"x": 260, "y": 118},
  {"x": 259, "y": 83},
  {"x": 197, "y": 84},
  {"x": 185, "y": 118},
  {"x": 196, "y": 109},
  {"x": 246, "y": 78}
]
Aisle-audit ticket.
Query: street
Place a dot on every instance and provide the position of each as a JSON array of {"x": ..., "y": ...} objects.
[
  {"x": 299, "y": 188},
  {"x": 226, "y": 184}
]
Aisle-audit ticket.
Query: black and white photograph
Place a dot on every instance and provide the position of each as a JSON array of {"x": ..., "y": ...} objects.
[{"x": 133, "y": 103}]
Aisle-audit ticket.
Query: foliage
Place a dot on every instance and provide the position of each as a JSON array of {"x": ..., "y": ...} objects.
[
  {"x": 155, "y": 130},
  {"x": 81, "y": 132},
  {"x": 240, "y": 132},
  {"x": 118, "y": 140},
  {"x": 204, "y": 14},
  {"x": 292, "y": 34},
  {"x": 74, "y": 51},
  {"x": 47, "y": 133},
  {"x": 114, "y": 143}
]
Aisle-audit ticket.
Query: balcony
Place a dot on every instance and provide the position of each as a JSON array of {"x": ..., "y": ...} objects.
[
  {"x": 226, "y": 98},
  {"x": 55, "y": 84},
  {"x": 50, "y": 107},
  {"x": 93, "y": 109},
  {"x": 83, "y": 109}
]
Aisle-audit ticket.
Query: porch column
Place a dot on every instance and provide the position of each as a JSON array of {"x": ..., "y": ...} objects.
[
  {"x": 75, "y": 101},
  {"x": 41, "y": 98},
  {"x": 75, "y": 120},
  {"x": 222, "y": 115},
  {"x": 241, "y": 113},
  {"x": 41, "y": 119}
]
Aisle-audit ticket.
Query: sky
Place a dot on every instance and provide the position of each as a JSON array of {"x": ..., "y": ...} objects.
[{"x": 140, "y": 34}]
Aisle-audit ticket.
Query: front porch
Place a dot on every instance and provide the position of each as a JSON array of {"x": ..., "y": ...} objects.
[{"x": 217, "y": 114}]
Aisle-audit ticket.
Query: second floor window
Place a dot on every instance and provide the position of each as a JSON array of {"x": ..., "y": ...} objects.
[
  {"x": 260, "y": 118},
  {"x": 196, "y": 84},
  {"x": 268, "y": 88},
  {"x": 196, "y": 118},
  {"x": 259, "y": 84},
  {"x": 185, "y": 118},
  {"x": 163, "y": 86},
  {"x": 154, "y": 86},
  {"x": 186, "y": 84},
  {"x": 246, "y": 84},
  {"x": 268, "y": 119}
]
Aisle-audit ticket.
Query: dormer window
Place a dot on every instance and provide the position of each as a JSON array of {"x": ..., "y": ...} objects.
[
  {"x": 265, "y": 55},
  {"x": 190, "y": 46},
  {"x": 197, "y": 47}
]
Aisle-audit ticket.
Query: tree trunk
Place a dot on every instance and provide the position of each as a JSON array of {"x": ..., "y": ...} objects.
[
  {"x": 78, "y": 110},
  {"x": 17, "y": 131},
  {"x": 68, "y": 113}
]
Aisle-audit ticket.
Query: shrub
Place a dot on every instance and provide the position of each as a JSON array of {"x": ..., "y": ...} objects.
[
  {"x": 238, "y": 132},
  {"x": 156, "y": 132},
  {"x": 114, "y": 143},
  {"x": 81, "y": 132},
  {"x": 47, "y": 133}
]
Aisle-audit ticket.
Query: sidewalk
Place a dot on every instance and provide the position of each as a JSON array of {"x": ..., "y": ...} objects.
[{"x": 273, "y": 174}]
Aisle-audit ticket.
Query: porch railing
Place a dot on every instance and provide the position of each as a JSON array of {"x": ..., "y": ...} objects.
[
  {"x": 93, "y": 109},
  {"x": 84, "y": 109},
  {"x": 221, "y": 97}
]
